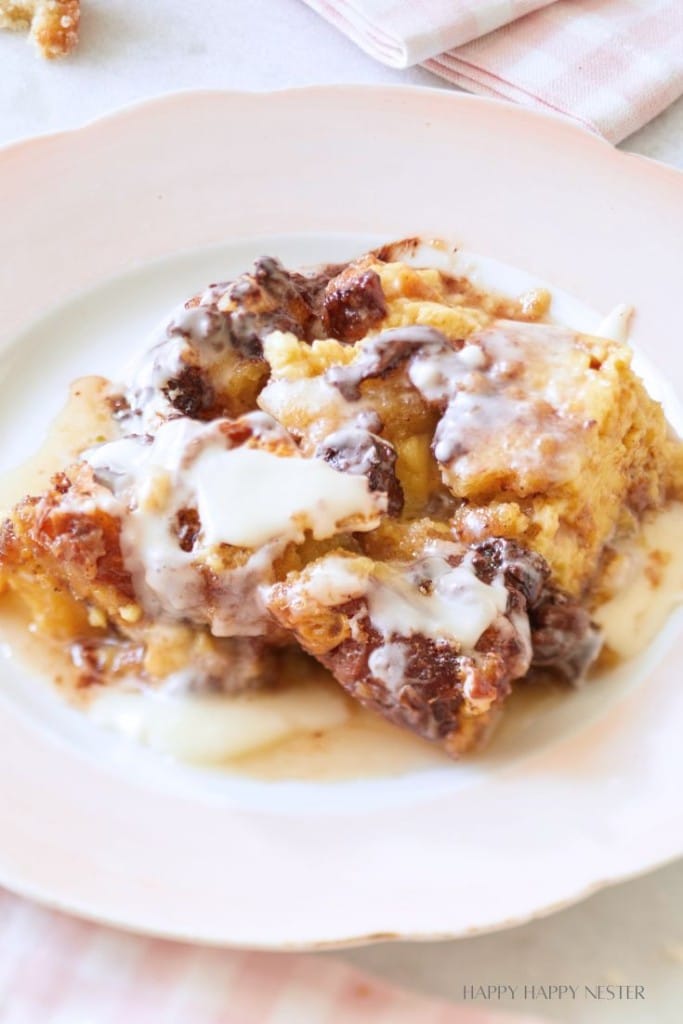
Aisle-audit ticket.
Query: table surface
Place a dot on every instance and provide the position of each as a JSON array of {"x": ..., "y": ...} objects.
[{"x": 630, "y": 934}]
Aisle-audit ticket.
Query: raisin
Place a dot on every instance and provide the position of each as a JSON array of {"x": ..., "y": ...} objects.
[
  {"x": 354, "y": 306},
  {"x": 190, "y": 394},
  {"x": 187, "y": 528},
  {"x": 363, "y": 454}
]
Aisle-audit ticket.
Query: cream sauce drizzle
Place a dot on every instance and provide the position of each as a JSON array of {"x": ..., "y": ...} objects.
[
  {"x": 507, "y": 393},
  {"x": 316, "y": 406},
  {"x": 246, "y": 497},
  {"x": 458, "y": 608},
  {"x": 649, "y": 587},
  {"x": 173, "y": 346},
  {"x": 360, "y": 745},
  {"x": 429, "y": 597},
  {"x": 213, "y": 729}
]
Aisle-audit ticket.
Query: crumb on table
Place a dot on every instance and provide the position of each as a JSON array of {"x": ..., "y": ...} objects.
[{"x": 52, "y": 24}]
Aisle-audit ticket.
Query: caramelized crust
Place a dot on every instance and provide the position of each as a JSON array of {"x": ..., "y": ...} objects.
[
  {"x": 67, "y": 566},
  {"x": 436, "y": 686},
  {"x": 354, "y": 303},
  {"x": 51, "y": 542},
  {"x": 208, "y": 360}
]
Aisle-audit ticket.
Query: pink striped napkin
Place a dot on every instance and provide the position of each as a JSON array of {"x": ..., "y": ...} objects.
[
  {"x": 57, "y": 970},
  {"x": 612, "y": 65}
]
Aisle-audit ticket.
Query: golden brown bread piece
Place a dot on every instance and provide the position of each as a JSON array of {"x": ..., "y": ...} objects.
[
  {"x": 49, "y": 544},
  {"x": 511, "y": 427},
  {"x": 61, "y": 555},
  {"x": 395, "y": 635},
  {"x": 53, "y": 25}
]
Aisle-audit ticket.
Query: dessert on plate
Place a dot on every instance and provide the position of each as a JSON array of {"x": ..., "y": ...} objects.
[{"x": 421, "y": 485}]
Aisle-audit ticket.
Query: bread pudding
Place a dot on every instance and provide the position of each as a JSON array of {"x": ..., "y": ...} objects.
[{"x": 379, "y": 467}]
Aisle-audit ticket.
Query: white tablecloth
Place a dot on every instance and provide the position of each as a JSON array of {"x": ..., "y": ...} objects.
[{"x": 630, "y": 934}]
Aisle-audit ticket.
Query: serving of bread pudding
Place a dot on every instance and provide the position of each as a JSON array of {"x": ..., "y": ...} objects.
[{"x": 416, "y": 482}]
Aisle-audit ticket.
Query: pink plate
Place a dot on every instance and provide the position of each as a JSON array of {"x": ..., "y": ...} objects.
[{"x": 101, "y": 228}]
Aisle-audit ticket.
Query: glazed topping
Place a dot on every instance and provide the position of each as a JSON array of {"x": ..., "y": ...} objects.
[
  {"x": 173, "y": 376},
  {"x": 490, "y": 598},
  {"x": 194, "y": 487},
  {"x": 335, "y": 580},
  {"x": 507, "y": 397},
  {"x": 437, "y": 641},
  {"x": 438, "y": 599},
  {"x": 321, "y": 409},
  {"x": 244, "y": 496},
  {"x": 415, "y": 641},
  {"x": 438, "y": 596},
  {"x": 277, "y": 498},
  {"x": 389, "y": 664},
  {"x": 382, "y": 354},
  {"x": 183, "y": 370},
  {"x": 505, "y": 391}
]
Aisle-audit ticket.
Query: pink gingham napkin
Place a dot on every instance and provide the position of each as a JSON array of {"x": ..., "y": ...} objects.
[
  {"x": 405, "y": 32},
  {"x": 57, "y": 970},
  {"x": 612, "y": 65}
]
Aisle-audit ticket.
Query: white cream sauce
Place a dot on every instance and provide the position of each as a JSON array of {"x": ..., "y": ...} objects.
[
  {"x": 616, "y": 325},
  {"x": 213, "y": 729},
  {"x": 388, "y": 663},
  {"x": 333, "y": 739},
  {"x": 429, "y": 597},
  {"x": 335, "y": 580},
  {"x": 174, "y": 345},
  {"x": 315, "y": 406},
  {"x": 508, "y": 391},
  {"x": 277, "y": 498},
  {"x": 458, "y": 607},
  {"x": 649, "y": 587},
  {"x": 247, "y": 497}
]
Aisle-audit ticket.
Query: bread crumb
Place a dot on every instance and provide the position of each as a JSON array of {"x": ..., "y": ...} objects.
[{"x": 52, "y": 24}]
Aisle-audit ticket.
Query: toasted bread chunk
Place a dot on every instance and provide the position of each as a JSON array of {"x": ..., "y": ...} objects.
[
  {"x": 435, "y": 644},
  {"x": 52, "y": 24}
]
